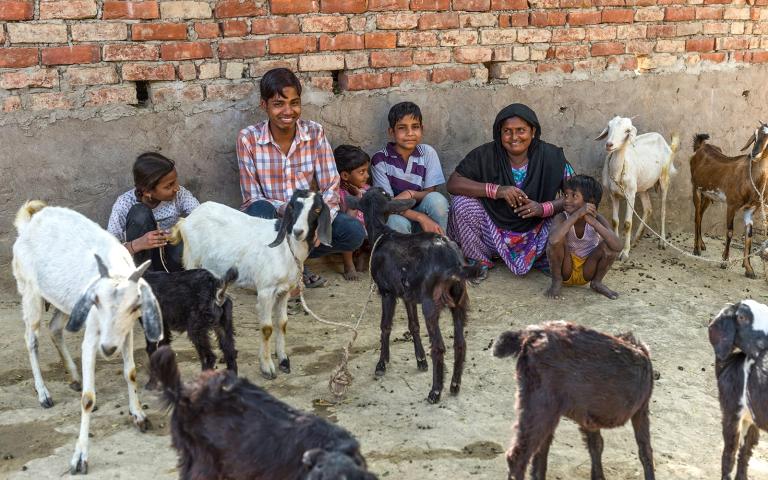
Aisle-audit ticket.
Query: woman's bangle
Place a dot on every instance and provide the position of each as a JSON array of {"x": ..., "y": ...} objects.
[
  {"x": 490, "y": 190},
  {"x": 549, "y": 209}
]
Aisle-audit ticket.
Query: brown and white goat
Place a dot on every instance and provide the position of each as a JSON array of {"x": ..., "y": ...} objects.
[
  {"x": 596, "y": 380},
  {"x": 737, "y": 181}
]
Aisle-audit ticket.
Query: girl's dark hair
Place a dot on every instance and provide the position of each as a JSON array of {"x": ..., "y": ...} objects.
[
  {"x": 148, "y": 169},
  {"x": 274, "y": 81},
  {"x": 402, "y": 110},
  {"x": 349, "y": 157},
  {"x": 589, "y": 188}
]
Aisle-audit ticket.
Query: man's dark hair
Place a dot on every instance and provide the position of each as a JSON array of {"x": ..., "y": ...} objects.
[
  {"x": 589, "y": 188},
  {"x": 148, "y": 169},
  {"x": 402, "y": 110},
  {"x": 274, "y": 81},
  {"x": 349, "y": 157}
]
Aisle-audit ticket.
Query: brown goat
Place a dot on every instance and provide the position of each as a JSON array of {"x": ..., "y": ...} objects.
[{"x": 737, "y": 181}]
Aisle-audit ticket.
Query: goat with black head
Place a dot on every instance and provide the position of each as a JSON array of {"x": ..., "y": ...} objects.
[
  {"x": 422, "y": 268},
  {"x": 739, "y": 336},
  {"x": 268, "y": 254}
]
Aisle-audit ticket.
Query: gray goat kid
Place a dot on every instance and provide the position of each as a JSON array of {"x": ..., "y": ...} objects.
[{"x": 64, "y": 259}]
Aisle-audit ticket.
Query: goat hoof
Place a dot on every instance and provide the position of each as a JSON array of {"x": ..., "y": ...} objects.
[
  {"x": 433, "y": 397},
  {"x": 381, "y": 369},
  {"x": 268, "y": 375},
  {"x": 80, "y": 467},
  {"x": 422, "y": 365},
  {"x": 47, "y": 402},
  {"x": 285, "y": 366},
  {"x": 723, "y": 264},
  {"x": 455, "y": 387},
  {"x": 75, "y": 385},
  {"x": 697, "y": 253},
  {"x": 750, "y": 275},
  {"x": 143, "y": 425}
]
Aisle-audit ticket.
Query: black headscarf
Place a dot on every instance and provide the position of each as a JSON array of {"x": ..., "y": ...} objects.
[{"x": 488, "y": 163}]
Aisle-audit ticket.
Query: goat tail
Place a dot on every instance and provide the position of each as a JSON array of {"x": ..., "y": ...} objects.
[
  {"x": 176, "y": 236},
  {"x": 508, "y": 344},
  {"x": 24, "y": 215},
  {"x": 164, "y": 368},
  {"x": 224, "y": 283},
  {"x": 699, "y": 139}
]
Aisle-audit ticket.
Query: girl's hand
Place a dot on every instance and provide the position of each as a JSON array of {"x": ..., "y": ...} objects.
[
  {"x": 153, "y": 239},
  {"x": 429, "y": 225},
  {"x": 530, "y": 209},
  {"x": 513, "y": 195}
]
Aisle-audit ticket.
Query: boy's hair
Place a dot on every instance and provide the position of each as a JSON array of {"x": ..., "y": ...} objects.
[
  {"x": 349, "y": 157},
  {"x": 402, "y": 110},
  {"x": 274, "y": 81},
  {"x": 148, "y": 169},
  {"x": 589, "y": 188}
]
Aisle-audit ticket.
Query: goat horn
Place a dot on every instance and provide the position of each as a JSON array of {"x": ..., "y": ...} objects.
[{"x": 103, "y": 270}]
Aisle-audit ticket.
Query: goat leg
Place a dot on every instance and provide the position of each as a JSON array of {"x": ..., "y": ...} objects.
[
  {"x": 437, "y": 349},
  {"x": 731, "y": 433},
  {"x": 413, "y": 328},
  {"x": 664, "y": 184},
  {"x": 747, "y": 264},
  {"x": 225, "y": 334},
  {"x": 32, "y": 310},
  {"x": 642, "y": 427},
  {"x": 538, "y": 420},
  {"x": 752, "y": 435},
  {"x": 539, "y": 463},
  {"x": 388, "y": 302},
  {"x": 731, "y": 211},
  {"x": 459, "y": 346},
  {"x": 199, "y": 337},
  {"x": 129, "y": 372},
  {"x": 57, "y": 335},
  {"x": 280, "y": 315},
  {"x": 151, "y": 348},
  {"x": 594, "y": 442},
  {"x": 630, "y": 197},
  {"x": 645, "y": 199},
  {"x": 79, "y": 462}
]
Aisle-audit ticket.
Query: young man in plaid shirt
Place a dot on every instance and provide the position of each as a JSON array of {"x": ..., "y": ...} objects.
[{"x": 285, "y": 153}]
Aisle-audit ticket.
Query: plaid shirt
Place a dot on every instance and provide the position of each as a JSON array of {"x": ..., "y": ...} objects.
[{"x": 267, "y": 174}]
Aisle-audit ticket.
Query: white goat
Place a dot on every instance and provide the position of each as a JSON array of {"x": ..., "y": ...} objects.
[
  {"x": 62, "y": 258},
  {"x": 633, "y": 165},
  {"x": 217, "y": 238}
]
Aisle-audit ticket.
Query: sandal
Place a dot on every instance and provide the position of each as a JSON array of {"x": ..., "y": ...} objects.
[
  {"x": 312, "y": 280},
  {"x": 294, "y": 306}
]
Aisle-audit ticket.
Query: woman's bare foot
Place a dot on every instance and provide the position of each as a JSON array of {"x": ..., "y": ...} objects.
[
  {"x": 553, "y": 292},
  {"x": 600, "y": 288}
]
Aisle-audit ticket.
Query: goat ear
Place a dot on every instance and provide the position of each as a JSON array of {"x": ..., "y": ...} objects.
[
  {"x": 722, "y": 332},
  {"x": 324, "y": 232},
  {"x": 151, "y": 317},
  {"x": 82, "y": 308},
  {"x": 749, "y": 142},
  {"x": 602, "y": 135},
  {"x": 310, "y": 457},
  {"x": 395, "y": 206},
  {"x": 136, "y": 275},
  {"x": 103, "y": 270},
  {"x": 284, "y": 224}
]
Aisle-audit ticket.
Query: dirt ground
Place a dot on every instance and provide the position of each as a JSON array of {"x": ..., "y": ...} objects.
[{"x": 666, "y": 299}]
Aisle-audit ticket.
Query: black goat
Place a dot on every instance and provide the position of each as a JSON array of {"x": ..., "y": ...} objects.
[
  {"x": 225, "y": 427},
  {"x": 742, "y": 379},
  {"x": 195, "y": 301},
  {"x": 422, "y": 268},
  {"x": 596, "y": 380}
]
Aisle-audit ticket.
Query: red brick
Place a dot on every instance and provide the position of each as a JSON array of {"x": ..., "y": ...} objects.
[
  {"x": 49, "y": 101},
  {"x": 472, "y": 5},
  {"x": 158, "y": 31},
  {"x": 364, "y": 81},
  {"x": 121, "y": 51},
  {"x": 513, "y": 20},
  {"x": 148, "y": 71},
  {"x": 98, "y": 31},
  {"x": 700, "y": 45},
  {"x": 473, "y": 54},
  {"x": 709, "y": 2},
  {"x": 130, "y": 10},
  {"x": 600, "y": 33},
  {"x": 292, "y": 44},
  {"x": 430, "y": 4},
  {"x": 229, "y": 92},
  {"x": 640, "y": 47},
  {"x": 509, "y": 4},
  {"x": 430, "y": 57},
  {"x": 660, "y": 31},
  {"x": 2, "y": 35},
  {"x": 322, "y": 83},
  {"x": 417, "y": 39},
  {"x": 11, "y": 104},
  {"x": 568, "y": 35},
  {"x": 554, "y": 67},
  {"x": 391, "y": 58},
  {"x": 264, "y": 26},
  {"x": 18, "y": 57},
  {"x": 189, "y": 93},
  {"x": 679, "y": 14},
  {"x": 583, "y": 18},
  {"x": 543, "y": 19},
  {"x": 324, "y": 23},
  {"x": 714, "y": 57},
  {"x": 618, "y": 16},
  {"x": 243, "y": 49},
  {"x": 282, "y": 7},
  {"x": 12, "y": 10},
  {"x": 343, "y": 6},
  {"x": 709, "y": 13},
  {"x": 438, "y": 21},
  {"x": 238, "y": 8},
  {"x": 40, "y": 78},
  {"x": 607, "y": 48},
  {"x": 460, "y": 38},
  {"x": 380, "y": 40},
  {"x": 69, "y": 10},
  {"x": 570, "y": 52},
  {"x": 185, "y": 50},
  {"x": 344, "y": 41},
  {"x": 71, "y": 55},
  {"x": 732, "y": 43},
  {"x": 383, "y": 5},
  {"x": 111, "y": 95},
  {"x": 758, "y": 57},
  {"x": 451, "y": 74},
  {"x": 235, "y": 28},
  {"x": 207, "y": 30},
  {"x": 412, "y": 76},
  {"x": 397, "y": 21},
  {"x": 91, "y": 76}
]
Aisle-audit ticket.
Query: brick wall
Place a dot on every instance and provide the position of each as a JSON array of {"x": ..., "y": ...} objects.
[{"x": 74, "y": 54}]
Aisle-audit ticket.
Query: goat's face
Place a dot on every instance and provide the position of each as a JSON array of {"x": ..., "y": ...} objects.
[
  {"x": 305, "y": 214},
  {"x": 113, "y": 304},
  {"x": 618, "y": 132},
  {"x": 743, "y": 326},
  {"x": 336, "y": 465},
  {"x": 760, "y": 141}
]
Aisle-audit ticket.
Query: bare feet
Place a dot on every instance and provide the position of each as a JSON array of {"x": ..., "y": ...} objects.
[
  {"x": 361, "y": 262},
  {"x": 600, "y": 288},
  {"x": 351, "y": 274},
  {"x": 553, "y": 292}
]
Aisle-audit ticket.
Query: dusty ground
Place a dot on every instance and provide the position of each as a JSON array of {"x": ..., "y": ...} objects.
[{"x": 666, "y": 300}]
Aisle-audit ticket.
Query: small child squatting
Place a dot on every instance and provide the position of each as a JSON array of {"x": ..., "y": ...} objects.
[
  {"x": 582, "y": 246},
  {"x": 353, "y": 165}
]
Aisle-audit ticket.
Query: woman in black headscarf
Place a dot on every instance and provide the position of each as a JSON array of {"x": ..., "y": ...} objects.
[{"x": 504, "y": 193}]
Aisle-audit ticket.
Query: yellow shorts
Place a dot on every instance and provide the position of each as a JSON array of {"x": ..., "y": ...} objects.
[{"x": 577, "y": 273}]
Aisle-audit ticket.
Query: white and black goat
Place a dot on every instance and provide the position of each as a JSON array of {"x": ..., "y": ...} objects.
[
  {"x": 217, "y": 238},
  {"x": 597, "y": 380},
  {"x": 195, "y": 301},
  {"x": 422, "y": 268},
  {"x": 226, "y": 427},
  {"x": 84, "y": 273},
  {"x": 739, "y": 336},
  {"x": 738, "y": 181},
  {"x": 633, "y": 165}
]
